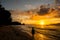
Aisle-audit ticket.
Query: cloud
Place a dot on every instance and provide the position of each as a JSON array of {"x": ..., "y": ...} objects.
[{"x": 28, "y": 6}]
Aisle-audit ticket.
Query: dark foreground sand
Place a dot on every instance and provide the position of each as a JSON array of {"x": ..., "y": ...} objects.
[{"x": 10, "y": 33}]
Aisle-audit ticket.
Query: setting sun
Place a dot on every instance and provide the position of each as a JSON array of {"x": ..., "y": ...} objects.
[{"x": 42, "y": 22}]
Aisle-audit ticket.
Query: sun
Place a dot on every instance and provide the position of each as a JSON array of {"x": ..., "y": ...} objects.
[{"x": 42, "y": 22}]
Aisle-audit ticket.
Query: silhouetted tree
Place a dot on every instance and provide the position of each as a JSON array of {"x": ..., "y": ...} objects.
[{"x": 5, "y": 16}]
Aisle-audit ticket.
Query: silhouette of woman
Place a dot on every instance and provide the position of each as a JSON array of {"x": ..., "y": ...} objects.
[{"x": 33, "y": 32}]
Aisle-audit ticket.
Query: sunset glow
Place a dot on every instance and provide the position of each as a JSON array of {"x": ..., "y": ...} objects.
[
  {"x": 42, "y": 22},
  {"x": 46, "y": 21}
]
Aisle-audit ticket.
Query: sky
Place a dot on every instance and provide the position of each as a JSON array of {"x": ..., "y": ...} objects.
[{"x": 23, "y": 4}]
